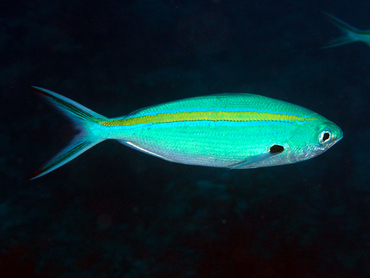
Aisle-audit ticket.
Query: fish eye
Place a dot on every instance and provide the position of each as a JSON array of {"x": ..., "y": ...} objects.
[{"x": 324, "y": 136}]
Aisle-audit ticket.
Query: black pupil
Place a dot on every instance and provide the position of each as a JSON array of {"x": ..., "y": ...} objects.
[{"x": 326, "y": 136}]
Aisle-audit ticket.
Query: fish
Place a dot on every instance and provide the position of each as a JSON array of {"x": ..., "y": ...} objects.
[
  {"x": 234, "y": 130},
  {"x": 350, "y": 33}
]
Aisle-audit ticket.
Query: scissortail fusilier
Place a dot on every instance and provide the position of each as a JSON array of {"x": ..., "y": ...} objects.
[{"x": 234, "y": 131}]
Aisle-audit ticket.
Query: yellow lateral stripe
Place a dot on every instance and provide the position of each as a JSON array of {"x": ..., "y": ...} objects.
[{"x": 204, "y": 116}]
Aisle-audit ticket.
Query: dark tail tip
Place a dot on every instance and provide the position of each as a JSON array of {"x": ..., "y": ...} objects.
[{"x": 34, "y": 175}]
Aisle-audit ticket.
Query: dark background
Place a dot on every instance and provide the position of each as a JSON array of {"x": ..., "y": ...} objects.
[{"x": 116, "y": 212}]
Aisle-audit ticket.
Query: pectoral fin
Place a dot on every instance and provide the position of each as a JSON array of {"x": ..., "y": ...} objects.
[{"x": 274, "y": 150}]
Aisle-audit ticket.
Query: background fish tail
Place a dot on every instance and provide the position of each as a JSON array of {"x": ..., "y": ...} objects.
[
  {"x": 83, "y": 118},
  {"x": 337, "y": 42},
  {"x": 349, "y": 32}
]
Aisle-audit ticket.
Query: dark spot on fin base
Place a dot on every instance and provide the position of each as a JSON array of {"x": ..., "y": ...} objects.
[{"x": 275, "y": 149}]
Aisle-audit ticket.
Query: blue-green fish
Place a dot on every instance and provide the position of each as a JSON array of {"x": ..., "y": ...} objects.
[
  {"x": 234, "y": 131},
  {"x": 350, "y": 34}
]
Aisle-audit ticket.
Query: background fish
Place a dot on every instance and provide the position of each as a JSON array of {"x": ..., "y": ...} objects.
[
  {"x": 228, "y": 130},
  {"x": 350, "y": 33}
]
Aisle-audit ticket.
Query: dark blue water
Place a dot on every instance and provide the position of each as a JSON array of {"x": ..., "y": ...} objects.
[{"x": 116, "y": 212}]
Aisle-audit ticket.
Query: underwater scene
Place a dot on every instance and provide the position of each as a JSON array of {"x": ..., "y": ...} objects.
[{"x": 239, "y": 138}]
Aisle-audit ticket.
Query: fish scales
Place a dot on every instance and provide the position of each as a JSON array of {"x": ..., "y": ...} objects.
[{"x": 213, "y": 131}]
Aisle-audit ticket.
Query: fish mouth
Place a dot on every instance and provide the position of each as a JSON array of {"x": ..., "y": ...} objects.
[
  {"x": 336, "y": 138},
  {"x": 336, "y": 131},
  {"x": 340, "y": 135}
]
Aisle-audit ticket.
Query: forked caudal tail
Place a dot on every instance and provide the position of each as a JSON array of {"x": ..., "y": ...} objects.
[
  {"x": 83, "y": 118},
  {"x": 350, "y": 33}
]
